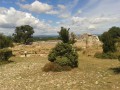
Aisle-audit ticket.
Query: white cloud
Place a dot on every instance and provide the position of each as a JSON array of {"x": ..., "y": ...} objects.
[
  {"x": 37, "y": 7},
  {"x": 61, "y": 6},
  {"x": 79, "y": 11},
  {"x": 10, "y": 18},
  {"x": 96, "y": 15},
  {"x": 64, "y": 15},
  {"x": 91, "y": 27},
  {"x": 52, "y": 12},
  {"x": 78, "y": 19},
  {"x": 63, "y": 11}
]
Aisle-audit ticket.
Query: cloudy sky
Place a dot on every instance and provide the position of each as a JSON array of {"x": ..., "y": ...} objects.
[{"x": 47, "y": 16}]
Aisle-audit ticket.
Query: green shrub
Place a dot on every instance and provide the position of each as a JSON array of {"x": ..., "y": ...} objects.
[
  {"x": 5, "y": 54},
  {"x": 106, "y": 55},
  {"x": 66, "y": 53},
  {"x": 5, "y": 41},
  {"x": 63, "y": 61}
]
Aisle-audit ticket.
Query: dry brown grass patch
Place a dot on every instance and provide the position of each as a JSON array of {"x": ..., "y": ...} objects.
[{"x": 55, "y": 67}]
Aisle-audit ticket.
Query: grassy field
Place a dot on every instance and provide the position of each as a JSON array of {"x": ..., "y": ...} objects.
[{"x": 92, "y": 74}]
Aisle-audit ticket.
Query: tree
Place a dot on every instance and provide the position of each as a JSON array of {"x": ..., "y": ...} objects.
[
  {"x": 72, "y": 38},
  {"x": 64, "y": 53},
  {"x": 5, "y": 41},
  {"x": 115, "y": 32},
  {"x": 66, "y": 37},
  {"x": 23, "y": 34},
  {"x": 110, "y": 38},
  {"x": 108, "y": 43}
]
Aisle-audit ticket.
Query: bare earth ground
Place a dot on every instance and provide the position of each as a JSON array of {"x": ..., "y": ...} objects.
[{"x": 92, "y": 74}]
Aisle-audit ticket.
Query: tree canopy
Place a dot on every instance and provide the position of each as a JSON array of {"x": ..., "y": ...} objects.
[
  {"x": 110, "y": 38},
  {"x": 23, "y": 34},
  {"x": 67, "y": 37},
  {"x": 64, "y": 35},
  {"x": 5, "y": 41}
]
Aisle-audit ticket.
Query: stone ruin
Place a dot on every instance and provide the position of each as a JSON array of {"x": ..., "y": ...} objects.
[
  {"x": 89, "y": 43},
  {"x": 88, "y": 40}
]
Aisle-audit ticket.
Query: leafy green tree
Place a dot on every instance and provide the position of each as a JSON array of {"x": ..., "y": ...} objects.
[
  {"x": 67, "y": 37},
  {"x": 5, "y": 41},
  {"x": 23, "y": 34},
  {"x": 108, "y": 43},
  {"x": 64, "y": 35},
  {"x": 110, "y": 38},
  {"x": 114, "y": 32}
]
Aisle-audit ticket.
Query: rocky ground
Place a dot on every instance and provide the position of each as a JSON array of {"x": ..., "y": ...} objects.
[{"x": 92, "y": 74}]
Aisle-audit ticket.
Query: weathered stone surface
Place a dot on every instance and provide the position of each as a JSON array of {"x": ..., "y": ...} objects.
[
  {"x": 89, "y": 43},
  {"x": 88, "y": 40}
]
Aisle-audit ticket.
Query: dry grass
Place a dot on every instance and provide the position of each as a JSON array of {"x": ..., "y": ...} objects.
[
  {"x": 55, "y": 67},
  {"x": 92, "y": 74}
]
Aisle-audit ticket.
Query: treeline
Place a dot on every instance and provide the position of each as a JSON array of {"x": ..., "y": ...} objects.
[{"x": 45, "y": 38}]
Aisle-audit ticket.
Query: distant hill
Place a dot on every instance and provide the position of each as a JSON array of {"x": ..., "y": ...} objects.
[{"x": 45, "y": 37}]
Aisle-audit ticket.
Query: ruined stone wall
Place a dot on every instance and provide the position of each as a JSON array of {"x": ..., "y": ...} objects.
[{"x": 88, "y": 40}]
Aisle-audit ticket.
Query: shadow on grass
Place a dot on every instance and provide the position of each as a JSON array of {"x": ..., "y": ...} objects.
[
  {"x": 5, "y": 62},
  {"x": 116, "y": 70}
]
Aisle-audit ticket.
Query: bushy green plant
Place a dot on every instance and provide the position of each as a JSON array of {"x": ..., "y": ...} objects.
[
  {"x": 63, "y": 61},
  {"x": 5, "y": 54},
  {"x": 5, "y": 41},
  {"x": 67, "y": 37},
  {"x": 109, "y": 39},
  {"x": 64, "y": 35},
  {"x": 108, "y": 43},
  {"x": 66, "y": 53}
]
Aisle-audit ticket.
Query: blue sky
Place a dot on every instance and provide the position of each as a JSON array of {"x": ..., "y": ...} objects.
[{"x": 47, "y": 16}]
